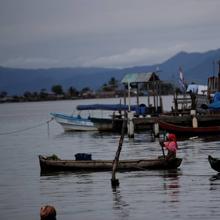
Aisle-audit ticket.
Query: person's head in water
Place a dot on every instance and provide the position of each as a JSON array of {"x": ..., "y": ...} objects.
[{"x": 47, "y": 213}]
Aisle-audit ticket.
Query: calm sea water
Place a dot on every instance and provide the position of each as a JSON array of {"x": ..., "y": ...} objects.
[{"x": 185, "y": 194}]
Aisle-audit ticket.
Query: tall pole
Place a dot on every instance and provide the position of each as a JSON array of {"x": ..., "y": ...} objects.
[
  {"x": 129, "y": 97},
  {"x": 219, "y": 76},
  {"x": 137, "y": 94},
  {"x": 114, "y": 181},
  {"x": 211, "y": 81},
  {"x": 154, "y": 92},
  {"x": 213, "y": 66}
]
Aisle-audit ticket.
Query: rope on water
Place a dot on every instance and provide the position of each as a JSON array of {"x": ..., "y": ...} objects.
[{"x": 28, "y": 128}]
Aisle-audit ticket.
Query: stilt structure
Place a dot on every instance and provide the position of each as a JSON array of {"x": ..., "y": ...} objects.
[{"x": 152, "y": 84}]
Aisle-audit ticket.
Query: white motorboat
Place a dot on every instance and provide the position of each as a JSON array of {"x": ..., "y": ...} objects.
[{"x": 74, "y": 123}]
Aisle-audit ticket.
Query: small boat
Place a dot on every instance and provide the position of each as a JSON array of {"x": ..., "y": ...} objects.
[
  {"x": 214, "y": 163},
  {"x": 112, "y": 123},
  {"x": 74, "y": 123},
  {"x": 143, "y": 116},
  {"x": 47, "y": 164},
  {"x": 186, "y": 130}
]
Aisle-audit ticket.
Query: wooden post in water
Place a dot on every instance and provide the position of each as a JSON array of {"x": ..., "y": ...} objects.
[
  {"x": 114, "y": 181},
  {"x": 130, "y": 124},
  {"x": 156, "y": 129}
]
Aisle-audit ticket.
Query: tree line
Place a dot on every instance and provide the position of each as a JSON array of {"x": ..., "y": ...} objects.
[{"x": 112, "y": 88}]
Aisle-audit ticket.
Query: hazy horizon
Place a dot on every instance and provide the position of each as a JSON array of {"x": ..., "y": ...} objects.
[{"x": 102, "y": 33}]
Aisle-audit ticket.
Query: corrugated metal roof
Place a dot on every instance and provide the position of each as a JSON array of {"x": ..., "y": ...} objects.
[{"x": 137, "y": 77}]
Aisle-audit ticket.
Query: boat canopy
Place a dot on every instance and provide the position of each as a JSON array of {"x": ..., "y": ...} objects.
[
  {"x": 110, "y": 107},
  {"x": 140, "y": 77}
]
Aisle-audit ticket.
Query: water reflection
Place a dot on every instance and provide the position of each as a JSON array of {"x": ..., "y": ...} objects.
[
  {"x": 63, "y": 174},
  {"x": 54, "y": 173},
  {"x": 215, "y": 182},
  {"x": 119, "y": 204},
  {"x": 171, "y": 184},
  {"x": 210, "y": 138},
  {"x": 199, "y": 138}
]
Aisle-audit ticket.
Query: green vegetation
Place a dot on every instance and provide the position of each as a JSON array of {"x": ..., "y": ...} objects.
[
  {"x": 108, "y": 90},
  {"x": 57, "y": 89},
  {"x": 53, "y": 157},
  {"x": 111, "y": 85}
]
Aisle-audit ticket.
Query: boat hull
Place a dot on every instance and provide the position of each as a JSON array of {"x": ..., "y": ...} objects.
[
  {"x": 72, "y": 123},
  {"x": 214, "y": 163},
  {"x": 115, "y": 124},
  {"x": 108, "y": 124},
  {"x": 184, "y": 130},
  {"x": 48, "y": 165}
]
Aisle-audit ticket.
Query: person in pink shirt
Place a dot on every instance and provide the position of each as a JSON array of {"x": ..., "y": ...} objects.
[{"x": 171, "y": 145}]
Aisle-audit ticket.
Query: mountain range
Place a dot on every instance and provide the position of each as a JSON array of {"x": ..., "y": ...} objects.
[{"x": 197, "y": 67}]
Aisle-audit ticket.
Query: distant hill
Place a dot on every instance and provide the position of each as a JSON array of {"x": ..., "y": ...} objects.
[{"x": 197, "y": 67}]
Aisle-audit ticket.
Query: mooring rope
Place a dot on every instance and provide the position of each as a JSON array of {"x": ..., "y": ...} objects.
[{"x": 28, "y": 128}]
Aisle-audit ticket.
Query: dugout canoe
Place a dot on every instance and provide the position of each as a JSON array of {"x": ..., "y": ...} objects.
[
  {"x": 214, "y": 163},
  {"x": 49, "y": 165}
]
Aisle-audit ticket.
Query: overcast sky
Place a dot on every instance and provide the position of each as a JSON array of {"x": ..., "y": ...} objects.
[{"x": 104, "y": 33}]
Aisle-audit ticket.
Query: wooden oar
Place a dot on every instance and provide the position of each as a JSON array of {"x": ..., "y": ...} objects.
[
  {"x": 162, "y": 148},
  {"x": 114, "y": 181}
]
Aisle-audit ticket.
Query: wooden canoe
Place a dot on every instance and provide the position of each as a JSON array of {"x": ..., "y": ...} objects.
[
  {"x": 48, "y": 165},
  {"x": 214, "y": 163},
  {"x": 184, "y": 130}
]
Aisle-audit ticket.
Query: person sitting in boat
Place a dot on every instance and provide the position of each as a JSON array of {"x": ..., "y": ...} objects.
[{"x": 171, "y": 145}]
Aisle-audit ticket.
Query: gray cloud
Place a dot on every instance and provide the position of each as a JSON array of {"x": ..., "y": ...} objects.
[{"x": 116, "y": 33}]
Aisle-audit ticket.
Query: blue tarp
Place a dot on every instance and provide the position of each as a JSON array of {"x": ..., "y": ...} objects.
[
  {"x": 214, "y": 105},
  {"x": 216, "y": 97},
  {"x": 216, "y": 102},
  {"x": 110, "y": 107},
  {"x": 142, "y": 109}
]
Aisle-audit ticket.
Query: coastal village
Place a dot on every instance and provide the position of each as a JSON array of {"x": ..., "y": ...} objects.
[
  {"x": 111, "y": 89},
  {"x": 194, "y": 114},
  {"x": 192, "y": 105},
  {"x": 110, "y": 110}
]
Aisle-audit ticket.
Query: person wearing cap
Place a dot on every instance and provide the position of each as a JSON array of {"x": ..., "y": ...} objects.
[
  {"x": 171, "y": 145},
  {"x": 47, "y": 212}
]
